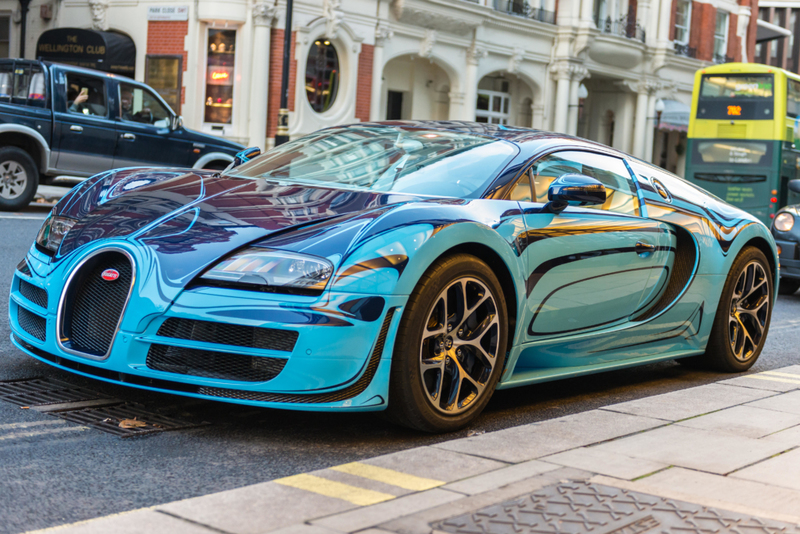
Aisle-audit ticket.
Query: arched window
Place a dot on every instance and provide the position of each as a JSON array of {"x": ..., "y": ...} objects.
[{"x": 322, "y": 75}]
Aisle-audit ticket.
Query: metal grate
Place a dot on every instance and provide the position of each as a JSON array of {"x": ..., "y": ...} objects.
[
  {"x": 32, "y": 323},
  {"x": 42, "y": 391},
  {"x": 94, "y": 306},
  {"x": 229, "y": 334},
  {"x": 108, "y": 420},
  {"x": 334, "y": 396},
  {"x": 35, "y": 294},
  {"x": 579, "y": 507},
  {"x": 212, "y": 364}
]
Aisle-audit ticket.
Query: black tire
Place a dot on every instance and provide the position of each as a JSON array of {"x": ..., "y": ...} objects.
[
  {"x": 19, "y": 178},
  {"x": 788, "y": 286},
  {"x": 742, "y": 320},
  {"x": 417, "y": 398}
]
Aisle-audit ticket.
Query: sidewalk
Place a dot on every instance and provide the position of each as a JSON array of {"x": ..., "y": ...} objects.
[{"x": 723, "y": 457}]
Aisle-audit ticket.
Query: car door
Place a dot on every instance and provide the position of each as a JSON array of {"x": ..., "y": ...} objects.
[
  {"x": 144, "y": 131},
  {"x": 590, "y": 269},
  {"x": 85, "y": 131}
]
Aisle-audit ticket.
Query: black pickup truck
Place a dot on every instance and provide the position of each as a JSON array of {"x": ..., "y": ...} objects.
[{"x": 62, "y": 121}]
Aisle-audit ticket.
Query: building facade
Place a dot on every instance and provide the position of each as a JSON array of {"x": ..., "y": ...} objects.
[{"x": 601, "y": 69}]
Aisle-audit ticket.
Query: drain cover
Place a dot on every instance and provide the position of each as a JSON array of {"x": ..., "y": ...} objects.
[
  {"x": 580, "y": 507},
  {"x": 125, "y": 420},
  {"x": 41, "y": 391}
]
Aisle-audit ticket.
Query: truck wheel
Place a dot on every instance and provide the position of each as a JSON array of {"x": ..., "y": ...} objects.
[{"x": 19, "y": 178}]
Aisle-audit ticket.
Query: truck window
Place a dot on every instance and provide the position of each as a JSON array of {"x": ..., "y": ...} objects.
[
  {"x": 86, "y": 95},
  {"x": 23, "y": 83},
  {"x": 139, "y": 105}
]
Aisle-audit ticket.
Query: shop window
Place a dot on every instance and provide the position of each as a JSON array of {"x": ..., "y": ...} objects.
[
  {"x": 163, "y": 73},
  {"x": 492, "y": 107},
  {"x": 322, "y": 75},
  {"x": 219, "y": 76}
]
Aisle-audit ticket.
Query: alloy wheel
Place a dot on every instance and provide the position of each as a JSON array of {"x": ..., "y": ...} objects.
[
  {"x": 749, "y": 310},
  {"x": 459, "y": 345},
  {"x": 13, "y": 179}
]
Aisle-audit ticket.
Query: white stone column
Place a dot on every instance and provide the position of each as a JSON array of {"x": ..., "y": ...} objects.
[
  {"x": 664, "y": 17},
  {"x": 474, "y": 55},
  {"x": 263, "y": 15},
  {"x": 651, "y": 127},
  {"x": 579, "y": 73},
  {"x": 587, "y": 11},
  {"x": 742, "y": 24},
  {"x": 456, "y": 112},
  {"x": 562, "y": 73},
  {"x": 382, "y": 34},
  {"x": 640, "y": 121},
  {"x": 537, "y": 120}
]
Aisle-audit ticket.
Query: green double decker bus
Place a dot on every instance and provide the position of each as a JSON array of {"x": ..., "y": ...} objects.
[{"x": 744, "y": 136}]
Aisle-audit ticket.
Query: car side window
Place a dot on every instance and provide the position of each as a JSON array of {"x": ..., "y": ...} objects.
[
  {"x": 610, "y": 171},
  {"x": 521, "y": 192},
  {"x": 86, "y": 95},
  {"x": 139, "y": 105}
]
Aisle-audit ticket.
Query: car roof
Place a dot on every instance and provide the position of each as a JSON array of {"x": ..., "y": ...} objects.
[{"x": 73, "y": 68}]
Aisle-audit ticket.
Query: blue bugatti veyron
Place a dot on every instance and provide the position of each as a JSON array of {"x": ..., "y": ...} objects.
[{"x": 412, "y": 267}]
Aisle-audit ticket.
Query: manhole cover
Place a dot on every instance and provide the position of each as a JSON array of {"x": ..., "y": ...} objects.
[
  {"x": 125, "y": 420},
  {"x": 582, "y": 507},
  {"x": 41, "y": 391}
]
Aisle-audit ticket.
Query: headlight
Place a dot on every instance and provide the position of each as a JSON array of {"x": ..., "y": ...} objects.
[
  {"x": 784, "y": 221},
  {"x": 53, "y": 231},
  {"x": 273, "y": 270}
]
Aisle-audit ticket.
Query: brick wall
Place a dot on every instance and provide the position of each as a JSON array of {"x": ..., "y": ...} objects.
[
  {"x": 734, "y": 43},
  {"x": 704, "y": 19},
  {"x": 167, "y": 37},
  {"x": 275, "y": 73},
  {"x": 751, "y": 28},
  {"x": 364, "y": 90}
]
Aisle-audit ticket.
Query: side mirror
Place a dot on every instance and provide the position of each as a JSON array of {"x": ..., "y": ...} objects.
[
  {"x": 177, "y": 123},
  {"x": 574, "y": 188},
  {"x": 794, "y": 185},
  {"x": 246, "y": 155}
]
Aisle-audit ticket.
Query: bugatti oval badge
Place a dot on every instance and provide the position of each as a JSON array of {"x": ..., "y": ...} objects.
[{"x": 109, "y": 275}]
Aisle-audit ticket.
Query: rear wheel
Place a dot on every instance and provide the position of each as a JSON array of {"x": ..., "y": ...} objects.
[
  {"x": 450, "y": 346},
  {"x": 743, "y": 316},
  {"x": 19, "y": 178},
  {"x": 788, "y": 286}
]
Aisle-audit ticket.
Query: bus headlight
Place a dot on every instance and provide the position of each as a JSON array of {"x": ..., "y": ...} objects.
[{"x": 784, "y": 221}]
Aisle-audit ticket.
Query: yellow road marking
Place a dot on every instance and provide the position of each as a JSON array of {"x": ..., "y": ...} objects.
[
  {"x": 776, "y": 373},
  {"x": 774, "y": 379},
  {"x": 388, "y": 476},
  {"x": 331, "y": 488}
]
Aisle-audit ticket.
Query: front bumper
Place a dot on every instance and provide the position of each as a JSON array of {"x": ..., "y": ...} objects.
[
  {"x": 340, "y": 361},
  {"x": 789, "y": 258}
]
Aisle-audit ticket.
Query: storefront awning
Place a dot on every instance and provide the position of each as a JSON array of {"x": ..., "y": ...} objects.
[
  {"x": 675, "y": 116},
  {"x": 106, "y": 51},
  {"x": 766, "y": 31}
]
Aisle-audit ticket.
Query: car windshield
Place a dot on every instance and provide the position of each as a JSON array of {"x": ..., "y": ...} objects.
[{"x": 397, "y": 159}]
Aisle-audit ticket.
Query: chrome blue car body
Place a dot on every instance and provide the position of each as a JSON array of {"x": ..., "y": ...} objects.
[{"x": 587, "y": 289}]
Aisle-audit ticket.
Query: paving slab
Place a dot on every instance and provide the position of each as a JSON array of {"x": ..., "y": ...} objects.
[
  {"x": 758, "y": 381},
  {"x": 782, "y": 470},
  {"x": 256, "y": 509},
  {"x": 435, "y": 463},
  {"x": 527, "y": 442},
  {"x": 374, "y": 515},
  {"x": 690, "y": 402},
  {"x": 606, "y": 462},
  {"x": 783, "y": 402},
  {"x": 747, "y": 421},
  {"x": 500, "y": 477},
  {"x": 708, "y": 451},
  {"x": 303, "y": 528},
  {"x": 136, "y": 522},
  {"x": 718, "y": 491}
]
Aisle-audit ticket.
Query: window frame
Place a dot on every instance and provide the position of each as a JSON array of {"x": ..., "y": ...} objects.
[
  {"x": 106, "y": 95},
  {"x": 687, "y": 29},
  {"x": 170, "y": 112},
  {"x": 179, "y": 57},
  {"x": 505, "y": 103},
  {"x": 724, "y": 35}
]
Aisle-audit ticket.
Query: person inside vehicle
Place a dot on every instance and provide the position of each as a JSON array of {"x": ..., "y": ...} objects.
[{"x": 126, "y": 104}]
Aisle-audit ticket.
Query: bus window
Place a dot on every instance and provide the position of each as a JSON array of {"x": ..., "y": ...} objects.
[
  {"x": 793, "y": 103},
  {"x": 736, "y": 96},
  {"x": 739, "y": 152}
]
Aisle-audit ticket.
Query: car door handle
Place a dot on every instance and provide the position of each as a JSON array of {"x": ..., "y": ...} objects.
[
  {"x": 129, "y": 136},
  {"x": 643, "y": 248},
  {"x": 76, "y": 128}
]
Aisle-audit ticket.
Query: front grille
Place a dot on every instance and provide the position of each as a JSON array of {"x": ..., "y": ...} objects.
[
  {"x": 93, "y": 306},
  {"x": 229, "y": 334},
  {"x": 212, "y": 364},
  {"x": 32, "y": 323},
  {"x": 35, "y": 294}
]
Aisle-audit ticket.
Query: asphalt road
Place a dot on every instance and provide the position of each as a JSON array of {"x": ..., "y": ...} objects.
[{"x": 62, "y": 477}]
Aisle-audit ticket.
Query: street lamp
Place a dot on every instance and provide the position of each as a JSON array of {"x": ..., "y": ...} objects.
[
  {"x": 282, "y": 135},
  {"x": 659, "y": 110}
]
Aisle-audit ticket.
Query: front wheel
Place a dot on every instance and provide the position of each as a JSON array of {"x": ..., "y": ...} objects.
[
  {"x": 743, "y": 316},
  {"x": 450, "y": 346},
  {"x": 19, "y": 178}
]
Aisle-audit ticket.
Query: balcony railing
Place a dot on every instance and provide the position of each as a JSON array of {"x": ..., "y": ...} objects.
[
  {"x": 521, "y": 8},
  {"x": 685, "y": 50},
  {"x": 625, "y": 26},
  {"x": 721, "y": 58}
]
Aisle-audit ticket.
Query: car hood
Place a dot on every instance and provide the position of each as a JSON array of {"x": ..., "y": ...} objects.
[{"x": 190, "y": 220}]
